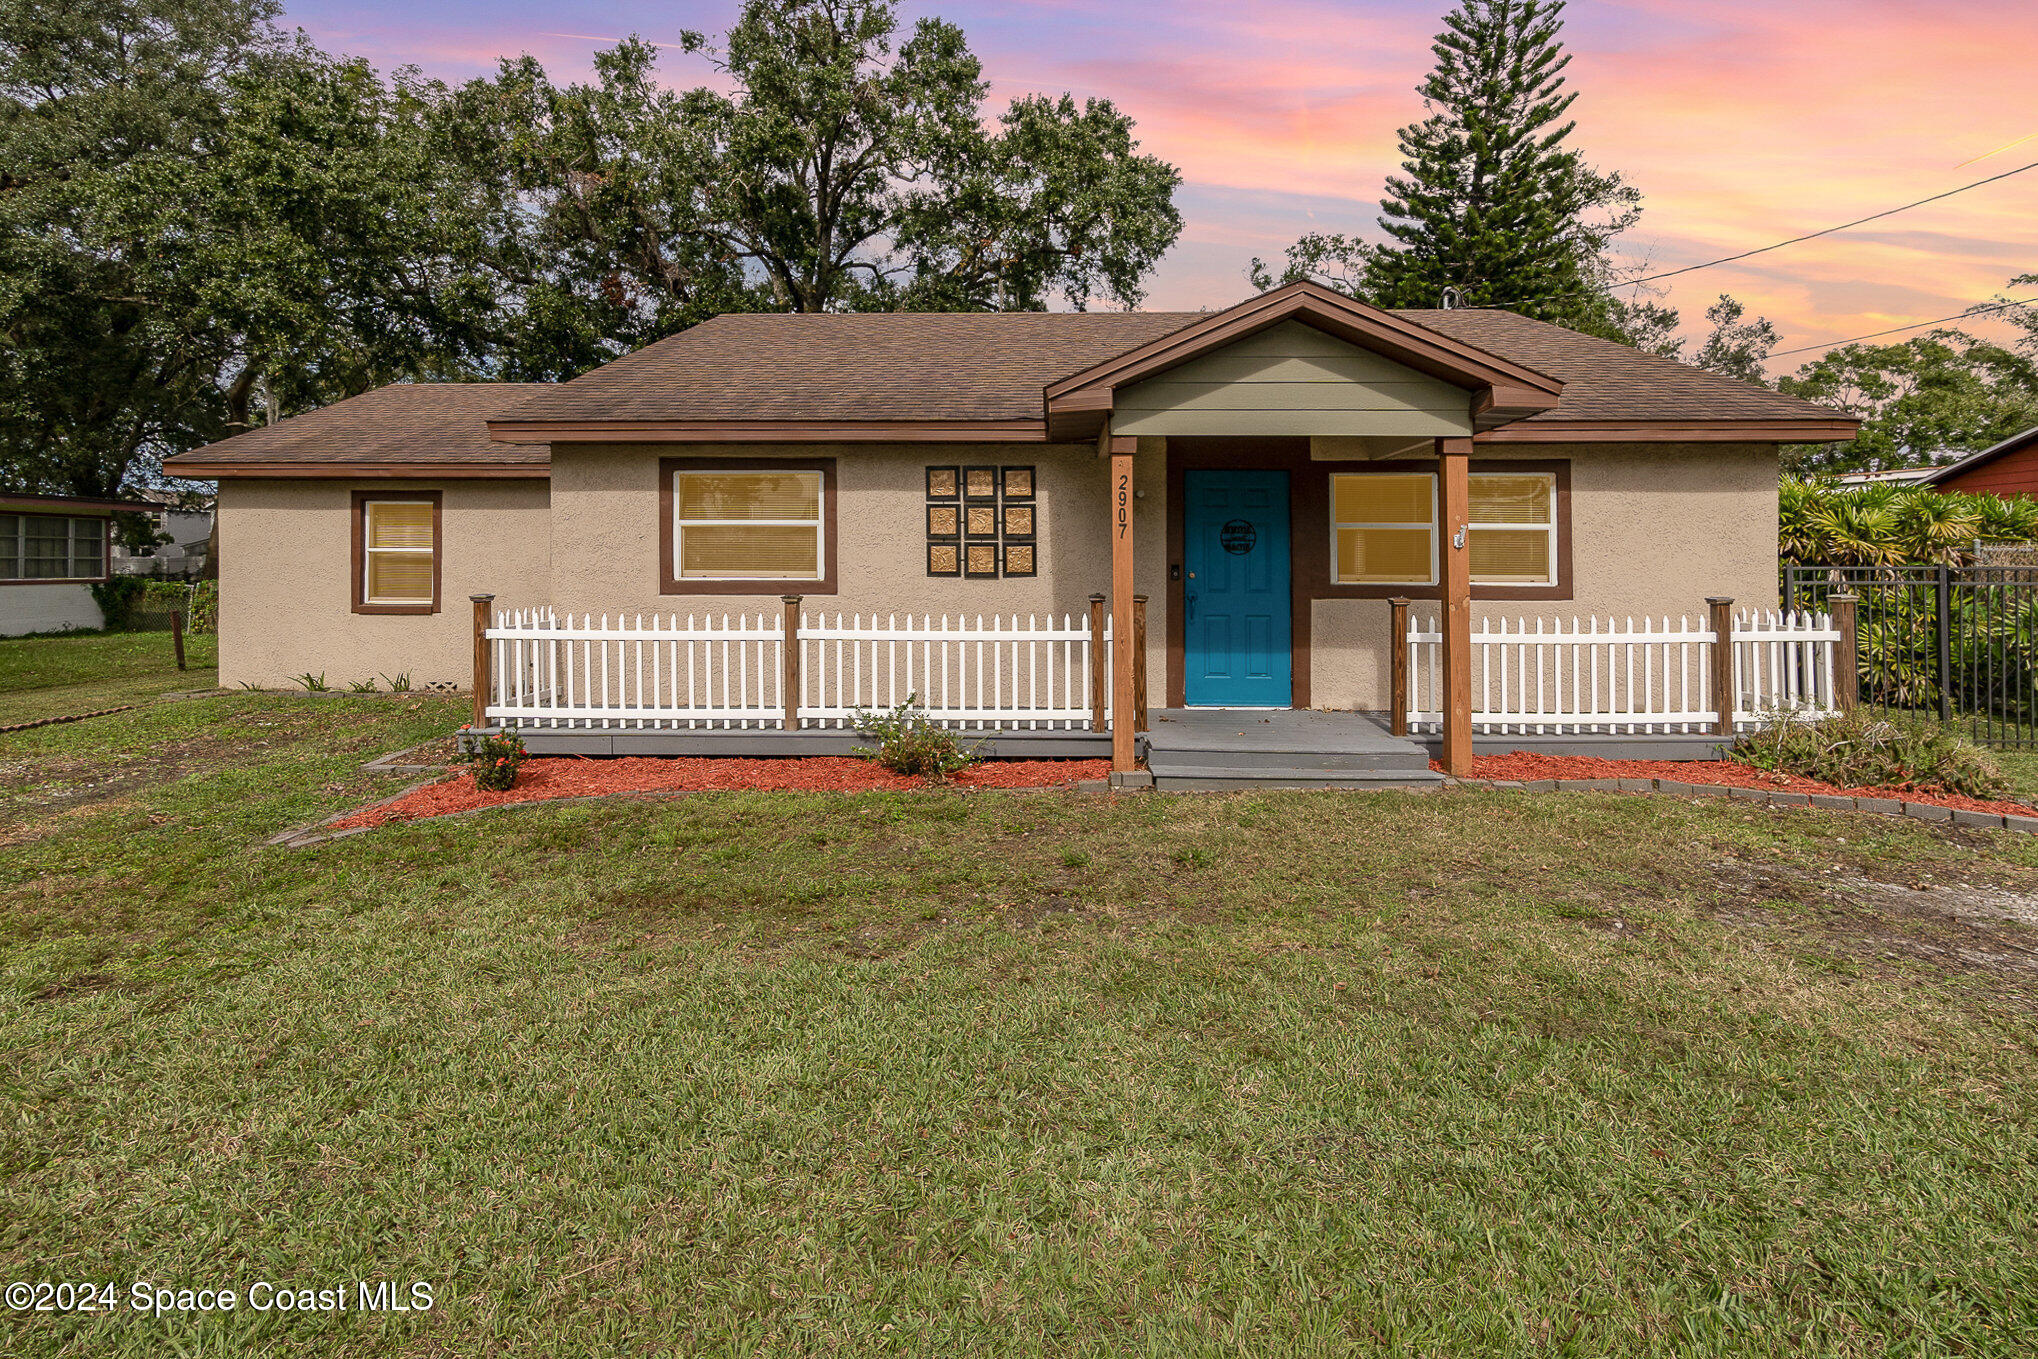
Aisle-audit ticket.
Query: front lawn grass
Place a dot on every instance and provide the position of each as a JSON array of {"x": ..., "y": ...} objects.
[
  {"x": 792, "y": 1074},
  {"x": 60, "y": 674}
]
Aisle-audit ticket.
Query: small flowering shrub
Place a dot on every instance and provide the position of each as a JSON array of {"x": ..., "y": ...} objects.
[
  {"x": 495, "y": 760},
  {"x": 911, "y": 743}
]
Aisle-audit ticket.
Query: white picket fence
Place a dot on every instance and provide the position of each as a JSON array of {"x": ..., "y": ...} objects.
[
  {"x": 549, "y": 672},
  {"x": 1620, "y": 676}
]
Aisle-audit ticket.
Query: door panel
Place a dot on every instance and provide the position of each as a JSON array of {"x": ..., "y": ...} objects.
[{"x": 1236, "y": 620}]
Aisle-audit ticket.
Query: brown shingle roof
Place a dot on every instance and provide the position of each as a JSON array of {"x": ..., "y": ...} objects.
[
  {"x": 917, "y": 367},
  {"x": 992, "y": 366},
  {"x": 1608, "y": 381},
  {"x": 857, "y": 366},
  {"x": 405, "y": 422}
]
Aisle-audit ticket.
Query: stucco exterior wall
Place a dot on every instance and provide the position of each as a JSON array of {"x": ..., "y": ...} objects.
[
  {"x": 26, "y": 608},
  {"x": 1655, "y": 528},
  {"x": 605, "y": 535},
  {"x": 286, "y": 584}
]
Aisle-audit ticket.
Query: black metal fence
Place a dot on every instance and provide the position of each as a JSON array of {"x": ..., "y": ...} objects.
[{"x": 1956, "y": 643}]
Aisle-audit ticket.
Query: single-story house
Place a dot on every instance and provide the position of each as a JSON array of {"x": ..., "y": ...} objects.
[
  {"x": 2007, "y": 468},
  {"x": 53, "y": 550},
  {"x": 1269, "y": 477},
  {"x": 184, "y": 522}
]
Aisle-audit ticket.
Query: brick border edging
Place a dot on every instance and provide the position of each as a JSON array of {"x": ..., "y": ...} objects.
[
  {"x": 1763, "y": 797},
  {"x": 74, "y": 717}
]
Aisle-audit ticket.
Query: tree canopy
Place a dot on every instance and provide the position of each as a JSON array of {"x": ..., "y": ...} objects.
[{"x": 204, "y": 224}]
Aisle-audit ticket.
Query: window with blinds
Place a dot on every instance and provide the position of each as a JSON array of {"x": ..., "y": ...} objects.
[
  {"x": 1514, "y": 528},
  {"x": 52, "y": 547},
  {"x": 398, "y": 541},
  {"x": 750, "y": 525},
  {"x": 1383, "y": 528}
]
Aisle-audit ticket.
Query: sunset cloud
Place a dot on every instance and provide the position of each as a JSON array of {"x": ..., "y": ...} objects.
[{"x": 1741, "y": 121}]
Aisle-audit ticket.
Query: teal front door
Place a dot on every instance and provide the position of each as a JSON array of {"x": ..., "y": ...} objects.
[{"x": 1236, "y": 622}]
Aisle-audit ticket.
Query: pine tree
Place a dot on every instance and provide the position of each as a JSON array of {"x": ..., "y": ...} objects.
[{"x": 1492, "y": 203}]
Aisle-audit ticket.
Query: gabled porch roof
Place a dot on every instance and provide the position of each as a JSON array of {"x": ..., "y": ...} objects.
[{"x": 1499, "y": 390}]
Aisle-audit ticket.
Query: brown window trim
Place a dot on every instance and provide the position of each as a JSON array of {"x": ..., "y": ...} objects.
[
  {"x": 105, "y": 551},
  {"x": 1326, "y": 588},
  {"x": 669, "y": 582},
  {"x": 360, "y": 561}
]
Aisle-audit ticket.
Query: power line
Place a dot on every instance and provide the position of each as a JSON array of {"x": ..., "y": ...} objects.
[
  {"x": 1814, "y": 235},
  {"x": 1918, "y": 325},
  {"x": 1763, "y": 250}
]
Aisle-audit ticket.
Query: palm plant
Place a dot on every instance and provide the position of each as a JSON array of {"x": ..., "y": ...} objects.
[{"x": 1881, "y": 525}]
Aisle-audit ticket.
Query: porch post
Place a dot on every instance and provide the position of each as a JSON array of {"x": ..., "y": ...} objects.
[
  {"x": 1454, "y": 457},
  {"x": 483, "y": 680},
  {"x": 1123, "y": 700},
  {"x": 1397, "y": 666}
]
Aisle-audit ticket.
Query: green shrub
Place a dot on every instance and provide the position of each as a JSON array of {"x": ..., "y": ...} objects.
[
  {"x": 1866, "y": 749},
  {"x": 496, "y": 760},
  {"x": 204, "y": 608},
  {"x": 909, "y": 742},
  {"x": 120, "y": 600}
]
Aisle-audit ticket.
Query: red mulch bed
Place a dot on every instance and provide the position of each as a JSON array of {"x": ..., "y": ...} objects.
[
  {"x": 1522, "y": 766},
  {"x": 543, "y": 779}
]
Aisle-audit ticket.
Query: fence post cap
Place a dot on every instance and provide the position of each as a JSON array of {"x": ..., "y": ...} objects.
[
  {"x": 1139, "y": 599},
  {"x": 790, "y": 599},
  {"x": 1843, "y": 597},
  {"x": 1097, "y": 598},
  {"x": 1398, "y": 599},
  {"x": 1719, "y": 599},
  {"x": 481, "y": 599}
]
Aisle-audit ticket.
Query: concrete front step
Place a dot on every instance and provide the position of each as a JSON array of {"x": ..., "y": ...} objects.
[
  {"x": 1397, "y": 756},
  {"x": 1232, "y": 777}
]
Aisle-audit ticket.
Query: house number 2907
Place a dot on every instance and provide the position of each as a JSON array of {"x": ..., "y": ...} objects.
[{"x": 1124, "y": 502}]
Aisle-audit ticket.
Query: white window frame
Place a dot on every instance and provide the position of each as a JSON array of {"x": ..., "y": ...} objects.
[
  {"x": 95, "y": 534},
  {"x": 368, "y": 551},
  {"x": 1337, "y": 524},
  {"x": 819, "y": 523},
  {"x": 1549, "y": 529}
]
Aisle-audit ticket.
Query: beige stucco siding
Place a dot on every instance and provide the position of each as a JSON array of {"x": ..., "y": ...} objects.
[
  {"x": 286, "y": 584},
  {"x": 1293, "y": 379},
  {"x": 1655, "y": 528},
  {"x": 605, "y": 531}
]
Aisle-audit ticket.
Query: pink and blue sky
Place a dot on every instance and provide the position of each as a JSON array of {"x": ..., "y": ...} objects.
[{"x": 1741, "y": 121}]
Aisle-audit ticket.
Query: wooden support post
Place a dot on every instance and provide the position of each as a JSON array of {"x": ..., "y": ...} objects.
[
  {"x": 1123, "y": 756},
  {"x": 1721, "y": 620},
  {"x": 177, "y": 635},
  {"x": 789, "y": 656},
  {"x": 1846, "y": 653},
  {"x": 1397, "y": 666},
  {"x": 1454, "y": 457},
  {"x": 1139, "y": 662},
  {"x": 1097, "y": 663},
  {"x": 483, "y": 678}
]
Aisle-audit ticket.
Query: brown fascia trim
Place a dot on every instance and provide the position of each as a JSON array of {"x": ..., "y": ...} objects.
[
  {"x": 768, "y": 431},
  {"x": 76, "y": 506},
  {"x": 1786, "y": 431},
  {"x": 436, "y": 471},
  {"x": 1520, "y": 390}
]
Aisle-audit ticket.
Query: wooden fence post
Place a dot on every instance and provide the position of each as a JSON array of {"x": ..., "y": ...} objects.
[
  {"x": 1846, "y": 652},
  {"x": 1139, "y": 662},
  {"x": 789, "y": 653},
  {"x": 177, "y": 635},
  {"x": 1397, "y": 667},
  {"x": 1723, "y": 695},
  {"x": 483, "y": 678},
  {"x": 1097, "y": 663}
]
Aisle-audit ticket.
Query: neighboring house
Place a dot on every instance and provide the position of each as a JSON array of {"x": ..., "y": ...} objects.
[
  {"x": 1269, "y": 475},
  {"x": 1893, "y": 476},
  {"x": 53, "y": 549},
  {"x": 186, "y": 521},
  {"x": 2009, "y": 468}
]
